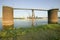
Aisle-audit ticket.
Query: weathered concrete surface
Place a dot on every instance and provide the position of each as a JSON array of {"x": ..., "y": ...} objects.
[
  {"x": 53, "y": 16},
  {"x": 33, "y": 17},
  {"x": 7, "y": 19}
]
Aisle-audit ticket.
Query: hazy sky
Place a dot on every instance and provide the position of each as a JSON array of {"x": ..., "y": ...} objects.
[{"x": 42, "y": 4}]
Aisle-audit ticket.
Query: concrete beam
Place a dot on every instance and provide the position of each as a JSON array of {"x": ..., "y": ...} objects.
[
  {"x": 30, "y": 9},
  {"x": 7, "y": 19},
  {"x": 53, "y": 16}
]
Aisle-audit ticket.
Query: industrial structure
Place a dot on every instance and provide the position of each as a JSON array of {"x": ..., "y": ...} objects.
[{"x": 8, "y": 15}]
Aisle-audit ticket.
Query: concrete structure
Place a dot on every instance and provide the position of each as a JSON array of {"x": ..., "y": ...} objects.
[
  {"x": 33, "y": 14},
  {"x": 53, "y": 16},
  {"x": 7, "y": 19},
  {"x": 33, "y": 17}
]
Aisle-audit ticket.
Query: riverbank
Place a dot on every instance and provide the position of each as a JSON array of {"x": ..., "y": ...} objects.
[{"x": 41, "y": 32}]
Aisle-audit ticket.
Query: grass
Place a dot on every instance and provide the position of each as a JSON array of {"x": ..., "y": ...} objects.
[{"x": 41, "y": 32}]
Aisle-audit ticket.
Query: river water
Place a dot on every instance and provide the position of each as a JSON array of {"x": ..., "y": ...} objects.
[{"x": 27, "y": 22}]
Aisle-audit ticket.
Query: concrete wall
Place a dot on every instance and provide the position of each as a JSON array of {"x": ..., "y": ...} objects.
[
  {"x": 7, "y": 19},
  {"x": 53, "y": 16}
]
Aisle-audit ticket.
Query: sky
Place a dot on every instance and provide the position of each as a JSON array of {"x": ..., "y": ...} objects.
[{"x": 40, "y": 4}]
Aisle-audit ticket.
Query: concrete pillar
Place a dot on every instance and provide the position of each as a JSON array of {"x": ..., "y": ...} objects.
[
  {"x": 33, "y": 17},
  {"x": 7, "y": 20},
  {"x": 53, "y": 16}
]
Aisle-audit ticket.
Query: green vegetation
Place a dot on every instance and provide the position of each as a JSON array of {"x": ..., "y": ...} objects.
[{"x": 41, "y": 32}]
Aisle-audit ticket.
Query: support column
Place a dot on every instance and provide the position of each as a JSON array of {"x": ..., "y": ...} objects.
[
  {"x": 33, "y": 17},
  {"x": 53, "y": 16},
  {"x": 7, "y": 20}
]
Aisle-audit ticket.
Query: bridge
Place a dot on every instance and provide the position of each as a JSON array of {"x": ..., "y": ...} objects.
[{"x": 8, "y": 15}]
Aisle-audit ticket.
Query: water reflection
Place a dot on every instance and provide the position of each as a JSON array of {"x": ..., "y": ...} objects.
[
  {"x": 29, "y": 22},
  {"x": 6, "y": 27},
  {"x": 25, "y": 23}
]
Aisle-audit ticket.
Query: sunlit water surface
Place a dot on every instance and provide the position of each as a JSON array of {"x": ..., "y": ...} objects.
[{"x": 27, "y": 23}]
